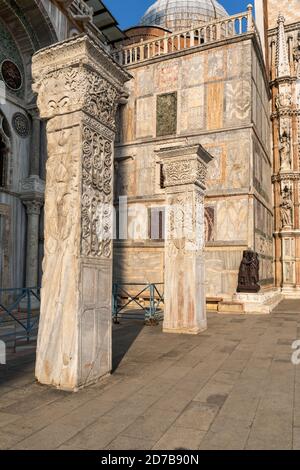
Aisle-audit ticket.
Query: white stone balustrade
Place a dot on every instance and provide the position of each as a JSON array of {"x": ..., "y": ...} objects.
[{"x": 201, "y": 35}]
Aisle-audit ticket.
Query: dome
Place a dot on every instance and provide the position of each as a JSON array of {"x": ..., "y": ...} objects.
[{"x": 178, "y": 15}]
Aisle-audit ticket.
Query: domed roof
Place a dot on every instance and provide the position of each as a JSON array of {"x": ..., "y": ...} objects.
[{"x": 177, "y": 15}]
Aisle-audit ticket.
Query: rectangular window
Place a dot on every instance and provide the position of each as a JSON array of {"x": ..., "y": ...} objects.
[
  {"x": 157, "y": 223},
  {"x": 166, "y": 117}
]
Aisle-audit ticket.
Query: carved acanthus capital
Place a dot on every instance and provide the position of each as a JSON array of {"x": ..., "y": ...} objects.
[
  {"x": 78, "y": 75},
  {"x": 33, "y": 207},
  {"x": 184, "y": 165}
]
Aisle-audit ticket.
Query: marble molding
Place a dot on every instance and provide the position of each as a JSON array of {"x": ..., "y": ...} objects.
[
  {"x": 79, "y": 87},
  {"x": 185, "y": 172}
]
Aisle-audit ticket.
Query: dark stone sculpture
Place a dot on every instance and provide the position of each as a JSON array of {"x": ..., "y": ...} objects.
[{"x": 249, "y": 273}]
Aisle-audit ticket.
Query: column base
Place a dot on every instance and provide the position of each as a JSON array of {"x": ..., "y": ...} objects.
[
  {"x": 75, "y": 389},
  {"x": 186, "y": 330}
]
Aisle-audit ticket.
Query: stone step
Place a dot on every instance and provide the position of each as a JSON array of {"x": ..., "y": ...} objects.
[{"x": 231, "y": 307}]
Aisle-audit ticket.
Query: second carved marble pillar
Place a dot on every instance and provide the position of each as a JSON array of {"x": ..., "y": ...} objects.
[
  {"x": 78, "y": 87},
  {"x": 185, "y": 170}
]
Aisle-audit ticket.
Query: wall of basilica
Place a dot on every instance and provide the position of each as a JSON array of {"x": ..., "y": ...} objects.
[
  {"x": 218, "y": 97},
  {"x": 25, "y": 27}
]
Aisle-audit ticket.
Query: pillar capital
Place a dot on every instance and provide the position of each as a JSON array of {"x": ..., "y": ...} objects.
[
  {"x": 33, "y": 207},
  {"x": 78, "y": 75},
  {"x": 184, "y": 166}
]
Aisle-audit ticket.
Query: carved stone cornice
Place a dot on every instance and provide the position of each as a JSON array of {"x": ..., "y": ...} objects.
[
  {"x": 286, "y": 177},
  {"x": 78, "y": 75},
  {"x": 285, "y": 113},
  {"x": 184, "y": 165}
]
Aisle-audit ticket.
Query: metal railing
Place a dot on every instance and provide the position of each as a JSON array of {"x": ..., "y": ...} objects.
[
  {"x": 170, "y": 43},
  {"x": 19, "y": 312},
  {"x": 150, "y": 293}
]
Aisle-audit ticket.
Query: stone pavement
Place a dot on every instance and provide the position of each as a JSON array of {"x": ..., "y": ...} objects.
[{"x": 232, "y": 387}]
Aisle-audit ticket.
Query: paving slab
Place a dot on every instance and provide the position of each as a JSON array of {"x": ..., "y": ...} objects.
[{"x": 231, "y": 387}]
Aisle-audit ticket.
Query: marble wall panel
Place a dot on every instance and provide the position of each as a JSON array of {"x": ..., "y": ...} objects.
[
  {"x": 192, "y": 111},
  {"x": 216, "y": 64},
  {"x": 262, "y": 172},
  {"x": 231, "y": 164},
  {"x": 138, "y": 264},
  {"x": 217, "y": 170},
  {"x": 166, "y": 76},
  {"x": 237, "y": 102},
  {"x": 232, "y": 219},
  {"x": 238, "y": 164},
  {"x": 192, "y": 70},
  {"x": 214, "y": 102},
  {"x": 144, "y": 81},
  {"x": 239, "y": 60},
  {"x": 145, "y": 117},
  {"x": 222, "y": 267}
]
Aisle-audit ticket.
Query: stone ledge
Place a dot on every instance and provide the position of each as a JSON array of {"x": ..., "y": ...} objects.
[{"x": 260, "y": 303}]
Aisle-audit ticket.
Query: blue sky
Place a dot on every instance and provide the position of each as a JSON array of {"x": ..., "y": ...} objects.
[{"x": 128, "y": 12}]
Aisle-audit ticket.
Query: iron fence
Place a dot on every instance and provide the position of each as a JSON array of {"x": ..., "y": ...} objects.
[
  {"x": 150, "y": 293},
  {"x": 19, "y": 313}
]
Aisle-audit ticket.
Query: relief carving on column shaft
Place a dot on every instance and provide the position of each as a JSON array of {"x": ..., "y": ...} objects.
[
  {"x": 61, "y": 189},
  {"x": 185, "y": 225},
  {"x": 97, "y": 195},
  {"x": 286, "y": 207}
]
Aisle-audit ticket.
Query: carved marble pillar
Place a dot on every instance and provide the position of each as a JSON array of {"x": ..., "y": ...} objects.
[
  {"x": 185, "y": 171},
  {"x": 33, "y": 209},
  {"x": 78, "y": 87}
]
